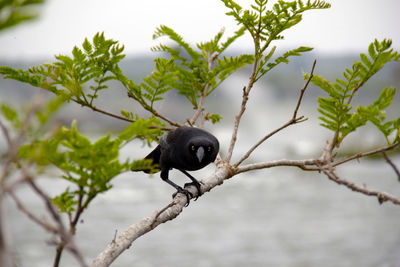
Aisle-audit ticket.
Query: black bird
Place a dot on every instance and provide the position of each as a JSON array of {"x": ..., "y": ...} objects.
[{"x": 185, "y": 149}]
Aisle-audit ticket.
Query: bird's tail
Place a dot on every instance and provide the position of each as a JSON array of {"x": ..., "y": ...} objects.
[{"x": 154, "y": 166}]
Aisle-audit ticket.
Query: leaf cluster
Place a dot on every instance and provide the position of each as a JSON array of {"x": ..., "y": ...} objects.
[
  {"x": 71, "y": 77},
  {"x": 337, "y": 112},
  {"x": 89, "y": 166},
  {"x": 266, "y": 26},
  {"x": 194, "y": 72}
]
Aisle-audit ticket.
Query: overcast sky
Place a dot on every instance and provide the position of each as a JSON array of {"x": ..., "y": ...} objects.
[{"x": 348, "y": 26}]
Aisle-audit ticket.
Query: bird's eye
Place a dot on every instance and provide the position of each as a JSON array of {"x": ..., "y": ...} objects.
[
  {"x": 193, "y": 148},
  {"x": 209, "y": 149}
]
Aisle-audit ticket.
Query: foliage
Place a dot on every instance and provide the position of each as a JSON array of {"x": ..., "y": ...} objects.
[
  {"x": 67, "y": 77},
  {"x": 336, "y": 109},
  {"x": 266, "y": 26},
  {"x": 13, "y": 12},
  {"x": 38, "y": 125},
  {"x": 89, "y": 166},
  {"x": 192, "y": 72}
]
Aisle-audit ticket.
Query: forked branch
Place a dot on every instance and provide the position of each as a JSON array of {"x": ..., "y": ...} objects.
[{"x": 292, "y": 121}]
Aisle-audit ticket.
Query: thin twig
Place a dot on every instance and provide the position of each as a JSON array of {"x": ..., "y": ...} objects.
[
  {"x": 66, "y": 237},
  {"x": 94, "y": 108},
  {"x": 5, "y": 133},
  {"x": 18, "y": 139},
  {"x": 382, "y": 196},
  {"x": 50, "y": 207},
  {"x": 302, "y": 91},
  {"x": 85, "y": 103},
  {"x": 245, "y": 156},
  {"x": 155, "y": 113},
  {"x": 110, "y": 114},
  {"x": 22, "y": 208},
  {"x": 396, "y": 170},
  {"x": 245, "y": 98},
  {"x": 293, "y": 120},
  {"x": 365, "y": 154},
  {"x": 200, "y": 107}
]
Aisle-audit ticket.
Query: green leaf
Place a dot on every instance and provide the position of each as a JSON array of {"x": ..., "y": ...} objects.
[
  {"x": 166, "y": 31},
  {"x": 215, "y": 118},
  {"x": 144, "y": 165},
  {"x": 323, "y": 83},
  {"x": 96, "y": 64},
  {"x": 9, "y": 113},
  {"x": 65, "y": 202},
  {"x": 142, "y": 129},
  {"x": 282, "y": 59},
  {"x": 336, "y": 110}
]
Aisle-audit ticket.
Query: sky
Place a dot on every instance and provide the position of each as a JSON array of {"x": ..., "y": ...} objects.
[{"x": 348, "y": 26}]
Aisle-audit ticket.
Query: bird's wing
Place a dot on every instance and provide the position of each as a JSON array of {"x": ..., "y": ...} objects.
[{"x": 163, "y": 140}]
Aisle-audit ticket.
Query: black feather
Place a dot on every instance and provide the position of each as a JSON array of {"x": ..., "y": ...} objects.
[{"x": 185, "y": 149}]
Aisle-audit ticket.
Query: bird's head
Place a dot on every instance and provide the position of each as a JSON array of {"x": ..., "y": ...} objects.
[{"x": 202, "y": 151}]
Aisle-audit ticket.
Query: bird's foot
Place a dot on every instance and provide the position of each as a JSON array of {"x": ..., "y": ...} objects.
[
  {"x": 186, "y": 193},
  {"x": 198, "y": 187}
]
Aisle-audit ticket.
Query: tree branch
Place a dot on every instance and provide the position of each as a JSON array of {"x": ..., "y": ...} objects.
[
  {"x": 155, "y": 113},
  {"x": 302, "y": 91},
  {"x": 5, "y": 133},
  {"x": 245, "y": 98},
  {"x": 293, "y": 120},
  {"x": 124, "y": 241},
  {"x": 224, "y": 171},
  {"x": 13, "y": 143},
  {"x": 49, "y": 227},
  {"x": 66, "y": 237},
  {"x": 94, "y": 108},
  {"x": 396, "y": 170},
  {"x": 200, "y": 107},
  {"x": 302, "y": 164},
  {"x": 365, "y": 154},
  {"x": 382, "y": 196}
]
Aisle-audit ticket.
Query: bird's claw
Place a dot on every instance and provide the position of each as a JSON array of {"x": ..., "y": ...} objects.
[
  {"x": 198, "y": 187},
  {"x": 186, "y": 193}
]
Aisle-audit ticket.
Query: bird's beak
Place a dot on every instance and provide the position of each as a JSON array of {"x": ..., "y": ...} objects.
[{"x": 200, "y": 153}]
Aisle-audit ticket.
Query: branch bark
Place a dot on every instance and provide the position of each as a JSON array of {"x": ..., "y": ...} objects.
[
  {"x": 394, "y": 167},
  {"x": 382, "y": 196},
  {"x": 245, "y": 98},
  {"x": 124, "y": 241},
  {"x": 365, "y": 154},
  {"x": 155, "y": 113},
  {"x": 302, "y": 164}
]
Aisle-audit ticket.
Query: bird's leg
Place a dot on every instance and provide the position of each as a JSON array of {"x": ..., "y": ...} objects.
[
  {"x": 164, "y": 177},
  {"x": 194, "y": 182}
]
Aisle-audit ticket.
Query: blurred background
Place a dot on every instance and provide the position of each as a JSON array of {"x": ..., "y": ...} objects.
[{"x": 273, "y": 217}]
